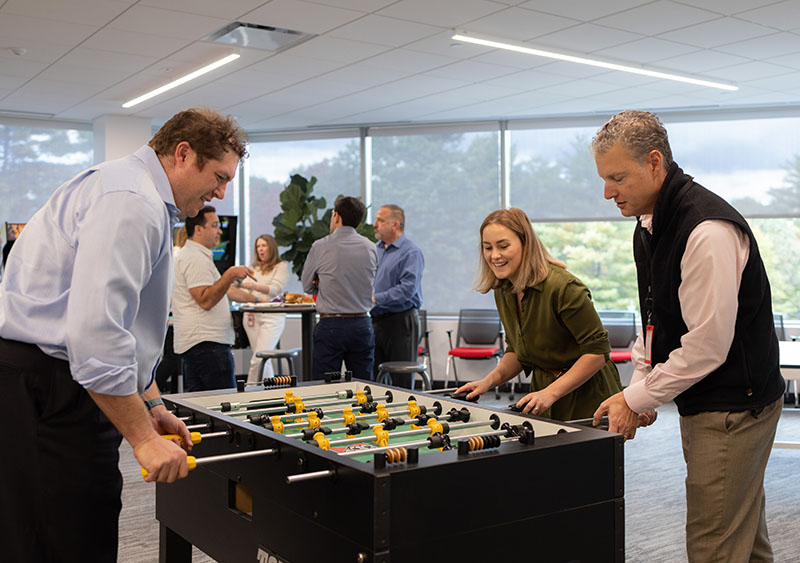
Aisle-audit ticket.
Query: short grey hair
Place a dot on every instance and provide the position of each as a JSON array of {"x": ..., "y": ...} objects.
[
  {"x": 397, "y": 214},
  {"x": 639, "y": 131}
]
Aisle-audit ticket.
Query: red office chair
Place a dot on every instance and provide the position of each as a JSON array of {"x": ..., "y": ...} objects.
[
  {"x": 621, "y": 327},
  {"x": 480, "y": 331}
]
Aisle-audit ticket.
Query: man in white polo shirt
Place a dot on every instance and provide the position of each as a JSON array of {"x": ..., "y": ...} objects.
[{"x": 200, "y": 307}]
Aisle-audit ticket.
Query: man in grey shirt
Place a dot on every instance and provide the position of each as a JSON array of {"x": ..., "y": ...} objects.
[{"x": 340, "y": 269}]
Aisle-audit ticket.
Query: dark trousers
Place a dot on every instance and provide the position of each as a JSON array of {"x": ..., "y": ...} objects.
[
  {"x": 60, "y": 483},
  {"x": 206, "y": 366},
  {"x": 347, "y": 339},
  {"x": 396, "y": 340},
  {"x": 170, "y": 366}
]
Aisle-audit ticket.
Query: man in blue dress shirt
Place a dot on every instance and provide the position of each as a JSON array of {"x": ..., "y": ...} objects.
[
  {"x": 398, "y": 292},
  {"x": 83, "y": 314},
  {"x": 340, "y": 269}
]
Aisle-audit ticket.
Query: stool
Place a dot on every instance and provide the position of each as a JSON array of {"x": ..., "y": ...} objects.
[
  {"x": 289, "y": 355},
  {"x": 386, "y": 369}
]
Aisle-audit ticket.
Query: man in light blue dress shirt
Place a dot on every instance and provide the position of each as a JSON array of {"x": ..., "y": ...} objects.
[
  {"x": 398, "y": 292},
  {"x": 83, "y": 314},
  {"x": 340, "y": 269}
]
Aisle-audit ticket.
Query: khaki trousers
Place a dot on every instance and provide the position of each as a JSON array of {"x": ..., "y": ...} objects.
[{"x": 726, "y": 454}]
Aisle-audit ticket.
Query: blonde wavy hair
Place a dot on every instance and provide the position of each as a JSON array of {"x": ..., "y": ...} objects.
[
  {"x": 535, "y": 258},
  {"x": 273, "y": 259}
]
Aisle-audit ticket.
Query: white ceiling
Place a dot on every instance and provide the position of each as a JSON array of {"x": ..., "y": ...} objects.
[{"x": 392, "y": 61}]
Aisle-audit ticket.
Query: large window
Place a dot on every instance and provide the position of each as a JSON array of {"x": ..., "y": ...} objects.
[
  {"x": 336, "y": 163},
  {"x": 34, "y": 161},
  {"x": 447, "y": 184}
]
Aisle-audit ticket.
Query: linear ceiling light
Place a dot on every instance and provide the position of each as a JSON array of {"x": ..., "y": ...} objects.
[
  {"x": 181, "y": 80},
  {"x": 591, "y": 62}
]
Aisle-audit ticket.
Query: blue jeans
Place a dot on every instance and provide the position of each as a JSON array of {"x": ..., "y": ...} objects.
[
  {"x": 206, "y": 366},
  {"x": 348, "y": 339}
]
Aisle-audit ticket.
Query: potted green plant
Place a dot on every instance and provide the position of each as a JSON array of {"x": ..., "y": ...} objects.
[{"x": 299, "y": 223}]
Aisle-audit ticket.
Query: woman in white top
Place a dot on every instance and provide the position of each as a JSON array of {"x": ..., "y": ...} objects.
[{"x": 265, "y": 329}]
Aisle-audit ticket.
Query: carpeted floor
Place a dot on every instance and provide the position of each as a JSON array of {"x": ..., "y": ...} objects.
[{"x": 654, "y": 497}]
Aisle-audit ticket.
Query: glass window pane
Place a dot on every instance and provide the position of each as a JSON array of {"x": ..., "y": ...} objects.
[
  {"x": 553, "y": 175},
  {"x": 752, "y": 163},
  {"x": 334, "y": 162},
  {"x": 600, "y": 253},
  {"x": 446, "y": 184},
  {"x": 35, "y": 161},
  {"x": 779, "y": 244}
]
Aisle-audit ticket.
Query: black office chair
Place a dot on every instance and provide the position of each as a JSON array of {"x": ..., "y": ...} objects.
[
  {"x": 424, "y": 345},
  {"x": 621, "y": 327},
  {"x": 780, "y": 329},
  {"x": 481, "y": 333}
]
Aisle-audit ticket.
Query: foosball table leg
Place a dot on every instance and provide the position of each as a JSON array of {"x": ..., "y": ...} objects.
[{"x": 173, "y": 548}]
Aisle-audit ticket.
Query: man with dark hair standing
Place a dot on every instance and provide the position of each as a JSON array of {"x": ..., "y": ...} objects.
[
  {"x": 83, "y": 313},
  {"x": 398, "y": 292},
  {"x": 340, "y": 269},
  {"x": 201, "y": 311},
  {"x": 707, "y": 338}
]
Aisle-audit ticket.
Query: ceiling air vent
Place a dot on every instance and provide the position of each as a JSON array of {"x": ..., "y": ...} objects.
[{"x": 254, "y": 36}]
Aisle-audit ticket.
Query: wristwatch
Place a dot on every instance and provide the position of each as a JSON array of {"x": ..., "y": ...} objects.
[{"x": 152, "y": 403}]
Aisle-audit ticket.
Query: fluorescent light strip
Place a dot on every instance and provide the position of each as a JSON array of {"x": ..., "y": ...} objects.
[
  {"x": 591, "y": 62},
  {"x": 181, "y": 80}
]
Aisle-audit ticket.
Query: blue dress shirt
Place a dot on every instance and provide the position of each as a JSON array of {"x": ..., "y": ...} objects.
[
  {"x": 90, "y": 276},
  {"x": 398, "y": 283}
]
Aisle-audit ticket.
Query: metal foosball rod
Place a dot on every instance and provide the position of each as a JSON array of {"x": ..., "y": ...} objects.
[
  {"x": 287, "y": 398},
  {"x": 430, "y": 429},
  {"x": 193, "y": 462},
  {"x": 298, "y": 406}
]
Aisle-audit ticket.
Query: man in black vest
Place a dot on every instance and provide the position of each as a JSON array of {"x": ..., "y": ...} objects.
[{"x": 707, "y": 339}]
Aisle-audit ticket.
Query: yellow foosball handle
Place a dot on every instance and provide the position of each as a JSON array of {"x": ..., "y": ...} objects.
[
  {"x": 196, "y": 437},
  {"x": 191, "y": 463}
]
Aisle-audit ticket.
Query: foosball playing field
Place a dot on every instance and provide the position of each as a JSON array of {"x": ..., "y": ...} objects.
[{"x": 356, "y": 471}]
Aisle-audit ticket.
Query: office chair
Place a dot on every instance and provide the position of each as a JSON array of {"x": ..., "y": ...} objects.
[{"x": 479, "y": 330}]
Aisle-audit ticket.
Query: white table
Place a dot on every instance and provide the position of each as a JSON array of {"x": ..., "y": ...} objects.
[{"x": 790, "y": 369}]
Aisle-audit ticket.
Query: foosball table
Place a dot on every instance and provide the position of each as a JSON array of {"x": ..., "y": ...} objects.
[{"x": 353, "y": 471}]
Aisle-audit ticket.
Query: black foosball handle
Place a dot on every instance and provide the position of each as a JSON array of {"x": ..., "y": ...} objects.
[{"x": 463, "y": 397}]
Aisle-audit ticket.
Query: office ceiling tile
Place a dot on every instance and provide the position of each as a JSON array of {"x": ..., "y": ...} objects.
[
  {"x": 726, "y": 7},
  {"x": 585, "y": 38},
  {"x": 644, "y": 51},
  {"x": 774, "y": 45},
  {"x": 519, "y": 24},
  {"x": 657, "y": 17},
  {"x": 330, "y": 48},
  {"x": 136, "y": 43},
  {"x": 472, "y": 70},
  {"x": 444, "y": 13},
  {"x": 385, "y": 31},
  {"x": 580, "y": 9},
  {"x": 780, "y": 15},
  {"x": 301, "y": 16},
  {"x": 24, "y": 31},
  {"x": 169, "y": 23},
  {"x": 718, "y": 32},
  {"x": 698, "y": 62},
  {"x": 87, "y": 12},
  {"x": 407, "y": 62},
  {"x": 748, "y": 71},
  {"x": 229, "y": 9}
]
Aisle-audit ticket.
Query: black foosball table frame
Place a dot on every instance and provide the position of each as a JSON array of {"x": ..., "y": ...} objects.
[{"x": 554, "y": 495}]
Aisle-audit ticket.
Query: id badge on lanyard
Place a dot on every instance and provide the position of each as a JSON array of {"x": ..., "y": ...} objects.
[{"x": 648, "y": 344}]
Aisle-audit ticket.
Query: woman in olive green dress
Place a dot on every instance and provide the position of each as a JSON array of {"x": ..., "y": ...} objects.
[{"x": 552, "y": 329}]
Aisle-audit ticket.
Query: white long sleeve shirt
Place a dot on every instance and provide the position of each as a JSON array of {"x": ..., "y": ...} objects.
[{"x": 711, "y": 273}]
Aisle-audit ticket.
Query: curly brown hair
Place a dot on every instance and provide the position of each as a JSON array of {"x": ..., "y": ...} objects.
[{"x": 209, "y": 133}]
